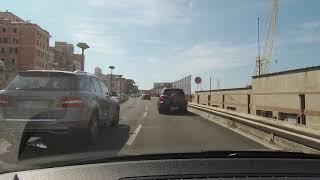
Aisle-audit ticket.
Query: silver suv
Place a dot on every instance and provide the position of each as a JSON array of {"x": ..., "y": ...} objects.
[{"x": 58, "y": 102}]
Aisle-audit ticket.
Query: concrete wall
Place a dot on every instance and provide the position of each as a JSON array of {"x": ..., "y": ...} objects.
[
  {"x": 233, "y": 98},
  {"x": 281, "y": 94},
  {"x": 277, "y": 95}
]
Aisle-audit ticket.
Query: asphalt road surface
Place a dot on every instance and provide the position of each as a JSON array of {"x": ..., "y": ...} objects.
[{"x": 143, "y": 130}]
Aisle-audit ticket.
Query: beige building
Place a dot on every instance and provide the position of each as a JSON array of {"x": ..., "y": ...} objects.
[
  {"x": 292, "y": 96},
  {"x": 64, "y": 55},
  {"x": 23, "y": 45},
  {"x": 77, "y": 58}
]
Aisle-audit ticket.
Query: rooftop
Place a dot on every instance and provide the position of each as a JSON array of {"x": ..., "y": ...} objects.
[
  {"x": 229, "y": 89},
  {"x": 306, "y": 69}
]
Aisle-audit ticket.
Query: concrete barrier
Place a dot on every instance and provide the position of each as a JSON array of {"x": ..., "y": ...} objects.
[{"x": 264, "y": 130}]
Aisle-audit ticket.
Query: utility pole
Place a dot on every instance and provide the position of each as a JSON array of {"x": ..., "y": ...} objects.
[
  {"x": 111, "y": 68},
  {"x": 259, "y": 55},
  {"x": 210, "y": 92}
]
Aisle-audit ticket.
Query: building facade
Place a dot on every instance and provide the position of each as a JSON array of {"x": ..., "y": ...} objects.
[
  {"x": 158, "y": 86},
  {"x": 64, "y": 56},
  {"x": 23, "y": 45},
  {"x": 77, "y": 58}
]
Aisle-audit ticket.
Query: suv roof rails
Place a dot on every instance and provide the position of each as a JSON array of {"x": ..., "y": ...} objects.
[{"x": 78, "y": 71}]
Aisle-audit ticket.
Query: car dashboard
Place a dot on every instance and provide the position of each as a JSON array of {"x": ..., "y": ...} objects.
[{"x": 194, "y": 168}]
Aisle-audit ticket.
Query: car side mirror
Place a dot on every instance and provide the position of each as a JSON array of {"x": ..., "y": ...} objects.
[{"x": 113, "y": 93}]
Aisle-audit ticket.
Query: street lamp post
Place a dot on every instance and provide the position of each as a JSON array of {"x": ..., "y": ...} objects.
[
  {"x": 83, "y": 47},
  {"x": 120, "y": 84},
  {"x": 111, "y": 68}
]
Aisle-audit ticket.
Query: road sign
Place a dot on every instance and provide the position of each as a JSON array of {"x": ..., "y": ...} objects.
[{"x": 197, "y": 80}]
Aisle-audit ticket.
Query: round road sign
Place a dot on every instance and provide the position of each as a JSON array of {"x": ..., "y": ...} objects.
[{"x": 197, "y": 80}]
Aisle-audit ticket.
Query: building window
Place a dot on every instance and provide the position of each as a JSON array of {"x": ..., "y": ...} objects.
[
  {"x": 232, "y": 108},
  {"x": 13, "y": 60},
  {"x": 3, "y": 50},
  {"x": 4, "y": 29},
  {"x": 264, "y": 113},
  {"x": 37, "y": 42},
  {"x": 15, "y": 50},
  {"x": 5, "y": 40},
  {"x": 11, "y": 50},
  {"x": 38, "y": 53},
  {"x": 0, "y": 39},
  {"x": 290, "y": 117},
  {"x": 15, "y": 40},
  {"x": 15, "y": 30}
]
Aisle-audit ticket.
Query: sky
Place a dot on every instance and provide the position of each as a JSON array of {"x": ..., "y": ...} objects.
[{"x": 166, "y": 40}]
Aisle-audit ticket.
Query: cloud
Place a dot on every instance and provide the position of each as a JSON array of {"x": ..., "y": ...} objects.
[
  {"x": 308, "y": 32},
  {"x": 152, "y": 42},
  {"x": 311, "y": 25},
  {"x": 212, "y": 56},
  {"x": 190, "y": 4},
  {"x": 144, "y": 12},
  {"x": 152, "y": 60},
  {"x": 98, "y": 37}
]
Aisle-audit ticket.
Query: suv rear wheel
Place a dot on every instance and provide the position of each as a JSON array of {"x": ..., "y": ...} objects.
[{"x": 92, "y": 132}]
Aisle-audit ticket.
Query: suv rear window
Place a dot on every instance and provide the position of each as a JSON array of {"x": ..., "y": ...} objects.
[
  {"x": 169, "y": 92},
  {"x": 44, "y": 81}
]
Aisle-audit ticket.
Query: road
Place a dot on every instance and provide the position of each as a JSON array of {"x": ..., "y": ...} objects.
[{"x": 143, "y": 130}]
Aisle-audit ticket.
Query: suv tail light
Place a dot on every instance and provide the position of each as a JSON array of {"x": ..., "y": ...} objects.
[
  {"x": 3, "y": 101},
  {"x": 72, "y": 102},
  {"x": 162, "y": 97}
]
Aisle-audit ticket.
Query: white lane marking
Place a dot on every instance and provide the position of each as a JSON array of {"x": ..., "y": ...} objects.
[
  {"x": 33, "y": 139},
  {"x": 134, "y": 135},
  {"x": 145, "y": 114}
]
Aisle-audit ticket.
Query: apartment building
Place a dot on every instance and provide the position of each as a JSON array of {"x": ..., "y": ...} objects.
[{"x": 23, "y": 45}]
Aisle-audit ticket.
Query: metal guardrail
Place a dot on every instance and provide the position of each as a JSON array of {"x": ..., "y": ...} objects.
[{"x": 300, "y": 135}]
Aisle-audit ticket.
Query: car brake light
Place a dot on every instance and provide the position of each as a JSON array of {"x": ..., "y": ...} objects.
[
  {"x": 162, "y": 97},
  {"x": 71, "y": 102},
  {"x": 3, "y": 101}
]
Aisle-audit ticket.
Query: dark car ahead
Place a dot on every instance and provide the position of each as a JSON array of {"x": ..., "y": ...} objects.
[
  {"x": 57, "y": 102},
  {"x": 172, "y": 99},
  {"x": 146, "y": 96}
]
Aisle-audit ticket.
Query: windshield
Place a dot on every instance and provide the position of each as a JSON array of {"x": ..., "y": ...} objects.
[
  {"x": 43, "y": 81},
  {"x": 111, "y": 78},
  {"x": 169, "y": 92}
]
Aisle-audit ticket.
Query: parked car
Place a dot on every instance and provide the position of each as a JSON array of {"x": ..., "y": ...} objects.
[
  {"x": 56, "y": 102},
  {"x": 172, "y": 99},
  {"x": 146, "y": 96}
]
